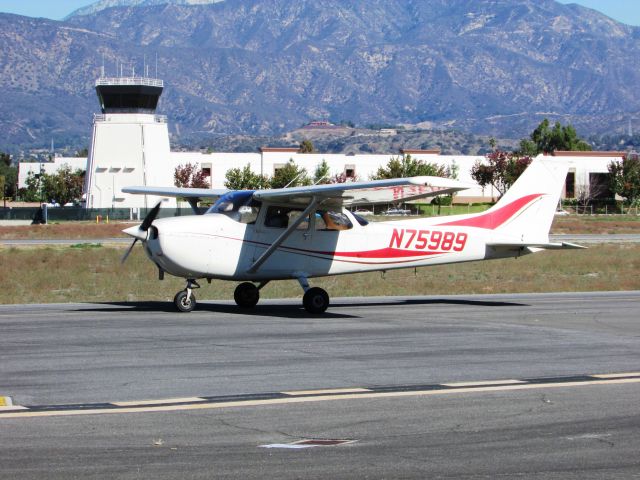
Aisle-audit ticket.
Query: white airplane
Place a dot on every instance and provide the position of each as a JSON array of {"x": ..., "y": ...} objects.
[{"x": 306, "y": 232}]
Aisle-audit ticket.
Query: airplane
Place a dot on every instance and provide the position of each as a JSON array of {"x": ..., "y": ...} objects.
[{"x": 258, "y": 236}]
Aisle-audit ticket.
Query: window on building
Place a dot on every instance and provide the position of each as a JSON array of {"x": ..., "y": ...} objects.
[
  {"x": 350, "y": 171},
  {"x": 570, "y": 185}
]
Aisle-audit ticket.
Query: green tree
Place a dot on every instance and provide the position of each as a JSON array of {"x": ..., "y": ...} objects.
[
  {"x": 82, "y": 153},
  {"x": 624, "y": 177},
  {"x": 321, "y": 174},
  {"x": 32, "y": 192},
  {"x": 406, "y": 166},
  {"x": 64, "y": 186},
  {"x": 500, "y": 169},
  {"x": 306, "y": 146},
  {"x": 8, "y": 187},
  {"x": 244, "y": 179},
  {"x": 291, "y": 175},
  {"x": 545, "y": 139}
]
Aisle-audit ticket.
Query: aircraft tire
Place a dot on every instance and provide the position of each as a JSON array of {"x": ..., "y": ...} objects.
[
  {"x": 181, "y": 302},
  {"x": 315, "y": 300},
  {"x": 246, "y": 295}
]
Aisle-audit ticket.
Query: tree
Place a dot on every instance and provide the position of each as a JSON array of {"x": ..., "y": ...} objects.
[
  {"x": 322, "y": 174},
  {"x": 64, "y": 186},
  {"x": 406, "y": 166},
  {"x": 190, "y": 176},
  {"x": 10, "y": 176},
  {"x": 624, "y": 177},
  {"x": 291, "y": 175},
  {"x": 306, "y": 146},
  {"x": 33, "y": 190},
  {"x": 82, "y": 153},
  {"x": 501, "y": 169},
  {"x": 547, "y": 140},
  {"x": 244, "y": 179}
]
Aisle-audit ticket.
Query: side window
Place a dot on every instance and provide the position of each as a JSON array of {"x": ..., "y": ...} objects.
[
  {"x": 282, "y": 217},
  {"x": 331, "y": 220}
]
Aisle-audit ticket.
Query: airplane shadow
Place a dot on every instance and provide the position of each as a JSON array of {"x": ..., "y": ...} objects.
[
  {"x": 431, "y": 301},
  {"x": 289, "y": 311}
]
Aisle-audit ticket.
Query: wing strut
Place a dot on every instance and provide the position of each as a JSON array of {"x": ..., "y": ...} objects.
[{"x": 263, "y": 258}]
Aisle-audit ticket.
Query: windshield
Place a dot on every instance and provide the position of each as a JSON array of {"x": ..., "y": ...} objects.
[{"x": 239, "y": 206}]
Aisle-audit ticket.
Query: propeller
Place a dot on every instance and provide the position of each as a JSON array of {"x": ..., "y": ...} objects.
[{"x": 137, "y": 232}]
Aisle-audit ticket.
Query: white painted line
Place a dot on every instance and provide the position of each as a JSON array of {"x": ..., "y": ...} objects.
[
  {"x": 617, "y": 375},
  {"x": 483, "y": 382},
  {"x": 286, "y": 445},
  {"x": 319, "y": 398},
  {"x": 12, "y": 408},
  {"x": 327, "y": 391},
  {"x": 158, "y": 402}
]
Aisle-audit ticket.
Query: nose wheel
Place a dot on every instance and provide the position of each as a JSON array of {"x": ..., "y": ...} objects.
[{"x": 185, "y": 300}]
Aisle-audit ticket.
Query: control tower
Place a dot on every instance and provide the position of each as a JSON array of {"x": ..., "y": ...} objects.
[{"x": 129, "y": 144}]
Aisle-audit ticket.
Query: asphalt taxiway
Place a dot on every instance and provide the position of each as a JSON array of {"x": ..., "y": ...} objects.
[{"x": 543, "y": 386}]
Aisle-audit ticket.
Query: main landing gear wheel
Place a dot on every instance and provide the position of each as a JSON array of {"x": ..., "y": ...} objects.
[
  {"x": 315, "y": 300},
  {"x": 185, "y": 302},
  {"x": 246, "y": 295}
]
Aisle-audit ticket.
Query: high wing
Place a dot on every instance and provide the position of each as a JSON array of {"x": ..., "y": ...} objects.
[
  {"x": 176, "y": 192},
  {"x": 191, "y": 195},
  {"x": 364, "y": 193}
]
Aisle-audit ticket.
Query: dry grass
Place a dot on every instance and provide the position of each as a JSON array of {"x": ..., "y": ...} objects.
[
  {"x": 598, "y": 224},
  {"x": 63, "y": 274},
  {"x": 70, "y": 230}
]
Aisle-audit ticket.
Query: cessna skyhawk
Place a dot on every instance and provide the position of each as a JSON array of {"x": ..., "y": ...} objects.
[{"x": 257, "y": 236}]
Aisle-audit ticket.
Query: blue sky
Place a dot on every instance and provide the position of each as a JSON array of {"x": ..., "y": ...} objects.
[{"x": 626, "y": 11}]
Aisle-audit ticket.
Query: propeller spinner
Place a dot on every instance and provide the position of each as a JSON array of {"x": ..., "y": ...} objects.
[{"x": 140, "y": 232}]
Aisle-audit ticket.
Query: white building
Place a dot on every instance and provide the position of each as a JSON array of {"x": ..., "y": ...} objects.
[{"x": 35, "y": 168}]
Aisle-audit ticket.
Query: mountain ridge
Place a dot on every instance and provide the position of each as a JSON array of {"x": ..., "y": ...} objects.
[{"x": 265, "y": 67}]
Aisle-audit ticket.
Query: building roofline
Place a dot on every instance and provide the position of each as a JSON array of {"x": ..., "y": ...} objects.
[
  {"x": 591, "y": 153},
  {"x": 415, "y": 151},
  {"x": 279, "y": 149}
]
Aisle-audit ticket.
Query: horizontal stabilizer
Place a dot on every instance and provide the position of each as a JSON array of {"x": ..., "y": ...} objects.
[{"x": 545, "y": 245}]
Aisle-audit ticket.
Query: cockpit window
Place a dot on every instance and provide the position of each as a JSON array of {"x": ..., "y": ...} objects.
[{"x": 239, "y": 206}]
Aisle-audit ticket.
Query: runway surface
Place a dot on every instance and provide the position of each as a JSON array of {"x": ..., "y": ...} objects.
[{"x": 533, "y": 386}]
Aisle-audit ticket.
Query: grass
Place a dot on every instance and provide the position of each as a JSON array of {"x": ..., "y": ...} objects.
[
  {"x": 575, "y": 224},
  {"x": 63, "y": 274}
]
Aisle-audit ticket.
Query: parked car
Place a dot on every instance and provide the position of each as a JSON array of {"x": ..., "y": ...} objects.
[
  {"x": 363, "y": 212},
  {"x": 397, "y": 211}
]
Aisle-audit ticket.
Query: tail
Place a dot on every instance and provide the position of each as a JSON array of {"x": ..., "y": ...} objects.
[{"x": 523, "y": 216}]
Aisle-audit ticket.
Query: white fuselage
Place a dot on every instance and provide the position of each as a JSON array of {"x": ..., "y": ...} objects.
[{"x": 215, "y": 246}]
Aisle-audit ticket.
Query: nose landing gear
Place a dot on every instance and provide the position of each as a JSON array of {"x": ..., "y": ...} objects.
[{"x": 185, "y": 300}]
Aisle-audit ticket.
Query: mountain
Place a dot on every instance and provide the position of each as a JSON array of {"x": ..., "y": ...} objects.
[
  {"x": 267, "y": 66},
  {"x": 104, "y": 4}
]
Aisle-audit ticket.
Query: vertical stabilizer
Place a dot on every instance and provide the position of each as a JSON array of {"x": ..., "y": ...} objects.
[
  {"x": 524, "y": 214},
  {"x": 529, "y": 205}
]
